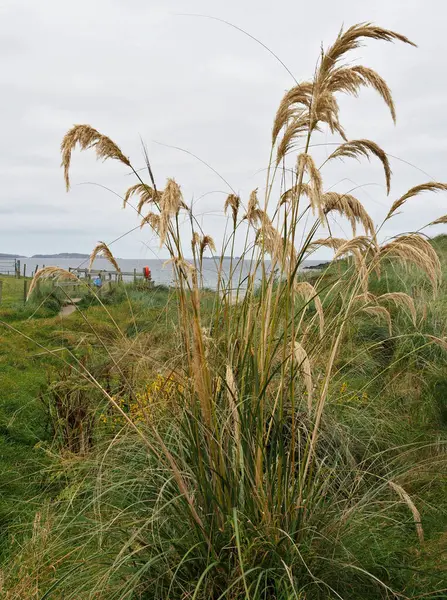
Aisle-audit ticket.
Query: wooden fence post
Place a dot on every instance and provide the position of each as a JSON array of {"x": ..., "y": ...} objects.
[
  {"x": 25, "y": 289},
  {"x": 24, "y": 269},
  {"x": 1, "y": 290}
]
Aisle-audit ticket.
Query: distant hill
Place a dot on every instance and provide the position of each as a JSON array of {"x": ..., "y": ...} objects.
[
  {"x": 62, "y": 255},
  {"x": 11, "y": 255}
]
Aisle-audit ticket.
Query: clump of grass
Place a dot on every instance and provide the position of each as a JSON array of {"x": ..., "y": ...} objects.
[{"x": 257, "y": 482}]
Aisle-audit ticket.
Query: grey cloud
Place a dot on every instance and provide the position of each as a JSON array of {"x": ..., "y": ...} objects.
[{"x": 135, "y": 67}]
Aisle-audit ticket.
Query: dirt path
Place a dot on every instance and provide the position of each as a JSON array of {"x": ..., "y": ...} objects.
[{"x": 69, "y": 309}]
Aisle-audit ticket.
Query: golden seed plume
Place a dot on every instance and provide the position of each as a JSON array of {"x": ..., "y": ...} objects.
[
  {"x": 441, "y": 221},
  {"x": 400, "y": 299},
  {"x": 308, "y": 103},
  {"x": 351, "y": 39},
  {"x": 403, "y": 495},
  {"x": 291, "y": 194},
  {"x": 366, "y": 148},
  {"x": 306, "y": 163},
  {"x": 195, "y": 242},
  {"x": 206, "y": 242},
  {"x": 87, "y": 137},
  {"x": 232, "y": 202},
  {"x": 414, "y": 249},
  {"x": 50, "y": 273},
  {"x": 361, "y": 243},
  {"x": 101, "y": 249},
  {"x": 351, "y": 208},
  {"x": 431, "y": 186},
  {"x": 330, "y": 242},
  {"x": 151, "y": 219},
  {"x": 171, "y": 201},
  {"x": 271, "y": 241},
  {"x": 145, "y": 192}
]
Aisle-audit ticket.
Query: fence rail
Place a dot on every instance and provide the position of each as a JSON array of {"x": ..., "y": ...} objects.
[{"x": 10, "y": 266}]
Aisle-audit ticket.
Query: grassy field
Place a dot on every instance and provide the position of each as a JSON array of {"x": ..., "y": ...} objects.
[{"x": 284, "y": 440}]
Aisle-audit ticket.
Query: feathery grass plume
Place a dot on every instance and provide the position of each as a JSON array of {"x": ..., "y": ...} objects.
[
  {"x": 145, "y": 192},
  {"x": 307, "y": 291},
  {"x": 414, "y": 249},
  {"x": 87, "y": 137},
  {"x": 361, "y": 243},
  {"x": 379, "y": 311},
  {"x": 171, "y": 201},
  {"x": 289, "y": 194},
  {"x": 351, "y": 39},
  {"x": 101, "y": 249},
  {"x": 300, "y": 357},
  {"x": 232, "y": 202},
  {"x": 309, "y": 103},
  {"x": 298, "y": 127},
  {"x": 305, "y": 163},
  {"x": 183, "y": 266},
  {"x": 255, "y": 215},
  {"x": 271, "y": 241},
  {"x": 404, "y": 496},
  {"x": 50, "y": 273},
  {"x": 431, "y": 186},
  {"x": 400, "y": 299},
  {"x": 366, "y": 298},
  {"x": 441, "y": 221},
  {"x": 358, "y": 148},
  {"x": 195, "y": 241},
  {"x": 301, "y": 94},
  {"x": 151, "y": 219},
  {"x": 206, "y": 242},
  {"x": 329, "y": 242},
  {"x": 351, "y": 208},
  {"x": 350, "y": 79}
]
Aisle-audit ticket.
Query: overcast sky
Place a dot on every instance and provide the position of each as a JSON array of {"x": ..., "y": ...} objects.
[{"x": 134, "y": 68}]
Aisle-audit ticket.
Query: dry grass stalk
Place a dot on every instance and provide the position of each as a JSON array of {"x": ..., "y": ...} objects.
[
  {"x": 358, "y": 148},
  {"x": 232, "y": 395},
  {"x": 299, "y": 355},
  {"x": 307, "y": 291},
  {"x": 145, "y": 192},
  {"x": 102, "y": 250},
  {"x": 330, "y": 242},
  {"x": 87, "y": 137},
  {"x": 431, "y": 186},
  {"x": 351, "y": 208},
  {"x": 404, "y": 496},
  {"x": 50, "y": 273},
  {"x": 400, "y": 299}
]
